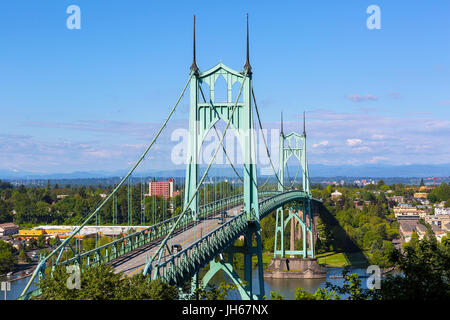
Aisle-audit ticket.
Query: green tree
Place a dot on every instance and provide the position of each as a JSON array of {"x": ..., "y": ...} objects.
[
  {"x": 101, "y": 283},
  {"x": 441, "y": 193},
  {"x": 138, "y": 287},
  {"x": 275, "y": 296},
  {"x": 23, "y": 256},
  {"x": 413, "y": 242},
  {"x": 5, "y": 215},
  {"x": 352, "y": 288},
  {"x": 425, "y": 273},
  {"x": 7, "y": 258},
  {"x": 41, "y": 241},
  {"x": 215, "y": 292}
]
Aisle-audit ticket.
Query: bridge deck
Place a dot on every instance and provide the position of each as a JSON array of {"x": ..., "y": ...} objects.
[{"x": 135, "y": 261}]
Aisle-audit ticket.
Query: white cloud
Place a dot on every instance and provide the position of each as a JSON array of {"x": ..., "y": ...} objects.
[
  {"x": 359, "y": 98},
  {"x": 321, "y": 143},
  {"x": 377, "y": 159},
  {"x": 353, "y": 142}
]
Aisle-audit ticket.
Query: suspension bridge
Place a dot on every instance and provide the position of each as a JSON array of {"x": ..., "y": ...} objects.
[{"x": 202, "y": 233}]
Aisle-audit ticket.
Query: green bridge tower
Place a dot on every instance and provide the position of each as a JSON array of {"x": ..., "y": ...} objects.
[
  {"x": 294, "y": 145},
  {"x": 203, "y": 115}
]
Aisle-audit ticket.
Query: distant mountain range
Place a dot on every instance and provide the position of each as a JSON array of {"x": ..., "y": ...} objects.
[{"x": 316, "y": 170}]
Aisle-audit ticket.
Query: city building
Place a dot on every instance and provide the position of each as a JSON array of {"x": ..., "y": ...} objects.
[
  {"x": 63, "y": 232},
  {"x": 446, "y": 227},
  {"x": 336, "y": 195},
  {"x": 25, "y": 234},
  {"x": 163, "y": 188},
  {"x": 358, "y": 204},
  {"x": 395, "y": 200},
  {"x": 420, "y": 195},
  {"x": 421, "y": 230},
  {"x": 407, "y": 210},
  {"x": 441, "y": 211},
  {"x": 407, "y": 227},
  {"x": 425, "y": 188},
  {"x": 438, "y": 232},
  {"x": 7, "y": 229},
  {"x": 438, "y": 220}
]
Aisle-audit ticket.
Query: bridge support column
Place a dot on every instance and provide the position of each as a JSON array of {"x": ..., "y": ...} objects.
[
  {"x": 249, "y": 251},
  {"x": 311, "y": 224},
  {"x": 247, "y": 291},
  {"x": 193, "y": 150},
  {"x": 279, "y": 233},
  {"x": 304, "y": 235}
]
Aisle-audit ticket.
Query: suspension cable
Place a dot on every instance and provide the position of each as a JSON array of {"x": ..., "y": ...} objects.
[
  {"x": 164, "y": 242},
  {"x": 63, "y": 244},
  {"x": 265, "y": 142}
]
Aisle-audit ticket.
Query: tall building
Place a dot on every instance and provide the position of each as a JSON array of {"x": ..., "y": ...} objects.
[{"x": 164, "y": 189}]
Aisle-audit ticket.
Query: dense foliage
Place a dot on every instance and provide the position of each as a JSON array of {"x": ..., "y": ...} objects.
[
  {"x": 425, "y": 267},
  {"x": 101, "y": 283},
  {"x": 344, "y": 227},
  {"x": 7, "y": 258},
  {"x": 424, "y": 275},
  {"x": 441, "y": 193},
  {"x": 37, "y": 205}
]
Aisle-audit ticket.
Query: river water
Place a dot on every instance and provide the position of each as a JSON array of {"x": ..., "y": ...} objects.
[
  {"x": 287, "y": 287},
  {"x": 284, "y": 287},
  {"x": 17, "y": 287}
]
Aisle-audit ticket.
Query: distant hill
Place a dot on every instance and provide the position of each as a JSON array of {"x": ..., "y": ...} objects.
[
  {"x": 316, "y": 170},
  {"x": 380, "y": 171}
]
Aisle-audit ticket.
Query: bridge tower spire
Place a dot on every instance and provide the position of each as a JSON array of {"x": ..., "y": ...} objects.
[
  {"x": 194, "y": 67},
  {"x": 294, "y": 145},
  {"x": 238, "y": 112}
]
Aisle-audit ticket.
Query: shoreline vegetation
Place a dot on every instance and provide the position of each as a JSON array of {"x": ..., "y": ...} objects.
[{"x": 342, "y": 259}]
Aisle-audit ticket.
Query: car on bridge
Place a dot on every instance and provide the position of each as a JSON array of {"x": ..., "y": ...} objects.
[
  {"x": 222, "y": 217},
  {"x": 176, "y": 248}
]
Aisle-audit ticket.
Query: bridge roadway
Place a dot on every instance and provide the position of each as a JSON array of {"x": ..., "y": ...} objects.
[{"x": 135, "y": 261}]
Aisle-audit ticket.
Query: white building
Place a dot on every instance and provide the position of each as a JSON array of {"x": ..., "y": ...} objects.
[
  {"x": 336, "y": 195},
  {"x": 441, "y": 211},
  {"x": 8, "y": 229}
]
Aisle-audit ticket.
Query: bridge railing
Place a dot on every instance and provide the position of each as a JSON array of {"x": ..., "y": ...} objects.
[
  {"x": 120, "y": 247},
  {"x": 190, "y": 260},
  {"x": 128, "y": 243}
]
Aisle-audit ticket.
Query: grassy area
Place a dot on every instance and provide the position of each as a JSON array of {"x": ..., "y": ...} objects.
[
  {"x": 342, "y": 259},
  {"x": 266, "y": 257},
  {"x": 332, "y": 259}
]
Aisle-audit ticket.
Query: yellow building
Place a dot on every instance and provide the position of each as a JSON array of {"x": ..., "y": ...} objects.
[
  {"x": 419, "y": 195},
  {"x": 30, "y": 233},
  {"x": 56, "y": 232}
]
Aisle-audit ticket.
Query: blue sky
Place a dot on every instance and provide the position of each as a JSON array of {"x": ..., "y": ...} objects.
[{"x": 91, "y": 99}]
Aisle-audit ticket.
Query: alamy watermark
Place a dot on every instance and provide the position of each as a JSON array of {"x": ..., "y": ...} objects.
[
  {"x": 374, "y": 280},
  {"x": 74, "y": 20},
  {"x": 74, "y": 280},
  {"x": 374, "y": 20},
  {"x": 245, "y": 147}
]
